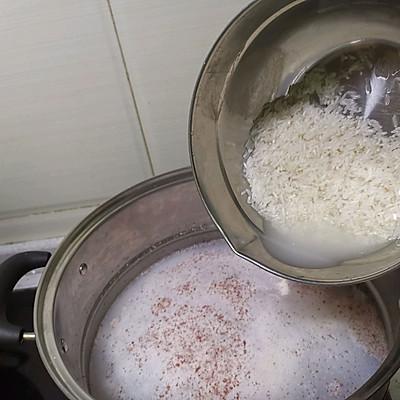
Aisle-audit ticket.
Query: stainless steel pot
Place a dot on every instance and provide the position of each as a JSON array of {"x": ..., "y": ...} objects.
[{"x": 107, "y": 251}]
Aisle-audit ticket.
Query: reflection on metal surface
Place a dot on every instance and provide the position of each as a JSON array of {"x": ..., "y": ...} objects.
[{"x": 28, "y": 337}]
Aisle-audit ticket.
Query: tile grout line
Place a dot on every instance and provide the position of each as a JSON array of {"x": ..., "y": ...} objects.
[{"x": 128, "y": 78}]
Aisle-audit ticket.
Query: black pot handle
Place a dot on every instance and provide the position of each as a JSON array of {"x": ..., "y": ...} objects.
[{"x": 11, "y": 271}]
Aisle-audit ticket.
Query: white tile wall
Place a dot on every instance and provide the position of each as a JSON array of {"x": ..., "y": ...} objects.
[
  {"x": 69, "y": 135},
  {"x": 165, "y": 44}
]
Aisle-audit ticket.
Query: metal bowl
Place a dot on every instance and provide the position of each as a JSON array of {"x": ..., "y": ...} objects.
[{"x": 266, "y": 49}]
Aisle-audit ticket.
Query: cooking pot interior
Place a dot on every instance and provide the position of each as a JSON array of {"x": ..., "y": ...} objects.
[
  {"x": 123, "y": 239},
  {"x": 143, "y": 226}
]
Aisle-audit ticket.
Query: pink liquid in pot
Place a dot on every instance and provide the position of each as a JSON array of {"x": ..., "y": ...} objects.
[{"x": 205, "y": 324}]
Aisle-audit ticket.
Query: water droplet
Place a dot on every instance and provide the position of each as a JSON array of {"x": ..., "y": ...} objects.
[
  {"x": 64, "y": 346},
  {"x": 83, "y": 269},
  {"x": 368, "y": 87}
]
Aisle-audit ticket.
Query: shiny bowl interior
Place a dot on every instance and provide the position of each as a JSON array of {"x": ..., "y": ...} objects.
[{"x": 265, "y": 50}]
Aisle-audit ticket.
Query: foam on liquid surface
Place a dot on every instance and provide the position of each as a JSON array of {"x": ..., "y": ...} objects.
[{"x": 205, "y": 324}]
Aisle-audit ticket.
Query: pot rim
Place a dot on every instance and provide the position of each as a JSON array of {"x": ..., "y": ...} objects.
[{"x": 46, "y": 342}]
